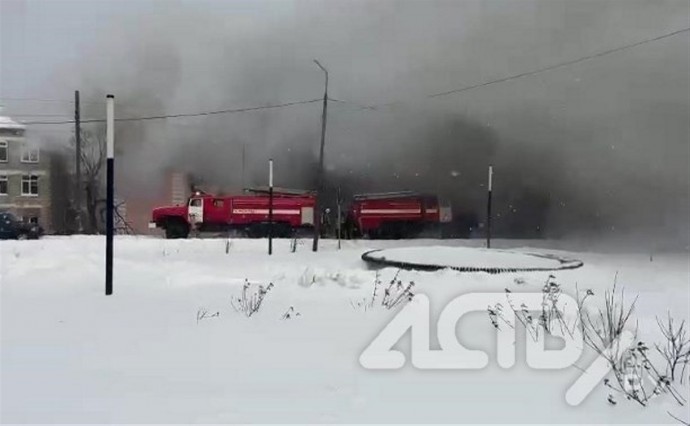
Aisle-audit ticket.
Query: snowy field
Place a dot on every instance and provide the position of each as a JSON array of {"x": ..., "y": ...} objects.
[{"x": 143, "y": 355}]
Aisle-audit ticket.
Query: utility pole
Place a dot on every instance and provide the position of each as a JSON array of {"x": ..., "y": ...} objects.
[
  {"x": 488, "y": 208},
  {"x": 270, "y": 207},
  {"x": 110, "y": 193},
  {"x": 77, "y": 171},
  {"x": 319, "y": 189}
]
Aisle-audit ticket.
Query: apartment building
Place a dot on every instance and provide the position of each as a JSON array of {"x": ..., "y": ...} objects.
[{"x": 25, "y": 184}]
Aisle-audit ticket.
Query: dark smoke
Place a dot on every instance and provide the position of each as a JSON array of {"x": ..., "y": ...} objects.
[{"x": 600, "y": 149}]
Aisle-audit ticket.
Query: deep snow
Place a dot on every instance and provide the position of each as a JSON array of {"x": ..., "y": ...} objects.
[{"x": 71, "y": 355}]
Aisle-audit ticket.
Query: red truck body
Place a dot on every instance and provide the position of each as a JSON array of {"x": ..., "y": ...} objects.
[
  {"x": 250, "y": 213},
  {"x": 396, "y": 214},
  {"x": 291, "y": 210}
]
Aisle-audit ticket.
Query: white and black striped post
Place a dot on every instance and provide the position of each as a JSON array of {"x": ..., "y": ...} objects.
[
  {"x": 488, "y": 208},
  {"x": 270, "y": 207},
  {"x": 110, "y": 202}
]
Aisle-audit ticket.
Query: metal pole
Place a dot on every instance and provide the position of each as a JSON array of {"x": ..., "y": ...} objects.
[
  {"x": 77, "y": 165},
  {"x": 243, "y": 166},
  {"x": 488, "y": 208},
  {"x": 319, "y": 189},
  {"x": 270, "y": 207},
  {"x": 339, "y": 227},
  {"x": 110, "y": 202}
]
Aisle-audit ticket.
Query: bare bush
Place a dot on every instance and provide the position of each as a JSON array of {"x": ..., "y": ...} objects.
[
  {"x": 534, "y": 323},
  {"x": 377, "y": 284},
  {"x": 678, "y": 419},
  {"x": 250, "y": 300},
  {"x": 635, "y": 376},
  {"x": 676, "y": 350},
  {"x": 395, "y": 294},
  {"x": 608, "y": 325},
  {"x": 203, "y": 314},
  {"x": 601, "y": 331},
  {"x": 550, "y": 312},
  {"x": 294, "y": 243},
  {"x": 290, "y": 313}
]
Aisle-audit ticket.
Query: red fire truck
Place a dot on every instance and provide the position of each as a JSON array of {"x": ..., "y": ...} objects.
[
  {"x": 246, "y": 213},
  {"x": 395, "y": 214}
]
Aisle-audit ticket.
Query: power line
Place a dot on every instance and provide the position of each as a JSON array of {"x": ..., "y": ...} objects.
[
  {"x": 195, "y": 114},
  {"x": 533, "y": 72},
  {"x": 372, "y": 107},
  {"x": 64, "y": 101},
  {"x": 42, "y": 115},
  {"x": 351, "y": 103},
  {"x": 560, "y": 65}
]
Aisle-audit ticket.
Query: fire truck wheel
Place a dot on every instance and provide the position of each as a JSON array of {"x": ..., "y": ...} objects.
[
  {"x": 387, "y": 230},
  {"x": 283, "y": 230},
  {"x": 396, "y": 230},
  {"x": 255, "y": 231},
  {"x": 176, "y": 229},
  {"x": 373, "y": 234}
]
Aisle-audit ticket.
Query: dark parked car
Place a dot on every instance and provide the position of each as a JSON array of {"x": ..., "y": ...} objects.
[{"x": 13, "y": 229}]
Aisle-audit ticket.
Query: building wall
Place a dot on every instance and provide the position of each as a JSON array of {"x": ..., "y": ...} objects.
[
  {"x": 177, "y": 187},
  {"x": 175, "y": 191},
  {"x": 27, "y": 207}
]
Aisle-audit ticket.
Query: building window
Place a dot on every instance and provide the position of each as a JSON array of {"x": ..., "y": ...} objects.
[
  {"x": 3, "y": 151},
  {"x": 29, "y": 155},
  {"x": 11, "y": 132},
  {"x": 29, "y": 185},
  {"x": 3, "y": 184}
]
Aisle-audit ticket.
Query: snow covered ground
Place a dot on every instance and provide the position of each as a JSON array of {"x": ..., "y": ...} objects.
[{"x": 71, "y": 355}]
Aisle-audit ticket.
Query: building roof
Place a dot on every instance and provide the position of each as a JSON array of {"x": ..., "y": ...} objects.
[{"x": 8, "y": 123}]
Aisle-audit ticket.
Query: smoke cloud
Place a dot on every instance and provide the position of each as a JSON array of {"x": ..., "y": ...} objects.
[{"x": 600, "y": 148}]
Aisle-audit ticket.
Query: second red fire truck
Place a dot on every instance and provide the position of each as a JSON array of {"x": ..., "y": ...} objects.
[{"x": 402, "y": 214}]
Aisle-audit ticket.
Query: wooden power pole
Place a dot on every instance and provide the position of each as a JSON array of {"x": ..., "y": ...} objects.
[
  {"x": 319, "y": 189},
  {"x": 77, "y": 171}
]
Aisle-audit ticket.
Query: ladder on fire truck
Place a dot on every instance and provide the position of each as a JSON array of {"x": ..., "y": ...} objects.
[
  {"x": 386, "y": 195},
  {"x": 280, "y": 191}
]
